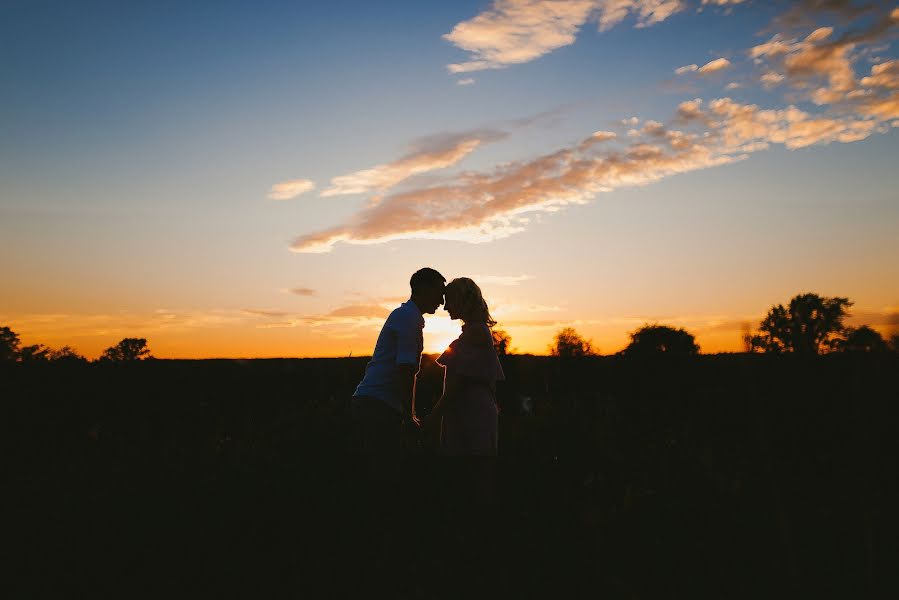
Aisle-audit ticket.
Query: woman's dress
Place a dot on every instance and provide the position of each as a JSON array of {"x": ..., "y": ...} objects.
[{"x": 469, "y": 424}]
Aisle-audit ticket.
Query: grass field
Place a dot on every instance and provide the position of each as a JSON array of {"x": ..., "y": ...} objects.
[{"x": 726, "y": 476}]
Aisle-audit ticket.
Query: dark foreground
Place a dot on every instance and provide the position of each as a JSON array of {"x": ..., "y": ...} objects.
[{"x": 723, "y": 477}]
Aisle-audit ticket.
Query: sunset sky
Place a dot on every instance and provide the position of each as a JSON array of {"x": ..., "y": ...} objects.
[{"x": 235, "y": 179}]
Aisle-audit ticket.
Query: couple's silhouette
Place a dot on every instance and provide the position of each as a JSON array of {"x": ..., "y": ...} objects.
[
  {"x": 383, "y": 410},
  {"x": 384, "y": 402}
]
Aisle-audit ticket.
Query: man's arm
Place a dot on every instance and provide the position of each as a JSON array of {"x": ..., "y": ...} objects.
[
  {"x": 405, "y": 381},
  {"x": 408, "y": 359}
]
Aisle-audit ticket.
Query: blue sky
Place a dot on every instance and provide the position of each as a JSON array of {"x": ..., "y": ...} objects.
[{"x": 139, "y": 143}]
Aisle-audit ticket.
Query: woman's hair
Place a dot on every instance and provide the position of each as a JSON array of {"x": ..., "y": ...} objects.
[{"x": 472, "y": 306}]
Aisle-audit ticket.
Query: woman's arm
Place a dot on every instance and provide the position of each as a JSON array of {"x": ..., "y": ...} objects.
[{"x": 451, "y": 385}]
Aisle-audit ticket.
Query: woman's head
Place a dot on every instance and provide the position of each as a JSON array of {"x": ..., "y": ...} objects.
[{"x": 465, "y": 301}]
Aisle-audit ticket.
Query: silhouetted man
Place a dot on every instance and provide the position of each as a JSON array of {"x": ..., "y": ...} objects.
[
  {"x": 382, "y": 412},
  {"x": 382, "y": 403}
]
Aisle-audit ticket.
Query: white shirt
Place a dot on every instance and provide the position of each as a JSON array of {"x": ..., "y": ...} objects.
[{"x": 400, "y": 343}]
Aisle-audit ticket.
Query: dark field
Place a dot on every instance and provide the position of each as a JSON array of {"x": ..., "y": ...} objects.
[{"x": 729, "y": 476}]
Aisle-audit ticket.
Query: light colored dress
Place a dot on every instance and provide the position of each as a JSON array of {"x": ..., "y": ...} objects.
[{"x": 469, "y": 426}]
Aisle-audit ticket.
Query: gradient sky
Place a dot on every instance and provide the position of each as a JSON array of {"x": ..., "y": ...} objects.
[{"x": 260, "y": 179}]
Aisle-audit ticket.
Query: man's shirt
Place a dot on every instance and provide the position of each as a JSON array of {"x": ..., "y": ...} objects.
[{"x": 400, "y": 343}]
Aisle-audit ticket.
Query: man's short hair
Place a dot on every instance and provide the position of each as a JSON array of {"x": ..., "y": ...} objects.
[{"x": 426, "y": 278}]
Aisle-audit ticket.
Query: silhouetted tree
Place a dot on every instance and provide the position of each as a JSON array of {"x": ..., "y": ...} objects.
[
  {"x": 863, "y": 339},
  {"x": 568, "y": 343},
  {"x": 661, "y": 340},
  {"x": 502, "y": 342},
  {"x": 9, "y": 344},
  {"x": 129, "y": 349},
  {"x": 811, "y": 324},
  {"x": 67, "y": 355},
  {"x": 35, "y": 353}
]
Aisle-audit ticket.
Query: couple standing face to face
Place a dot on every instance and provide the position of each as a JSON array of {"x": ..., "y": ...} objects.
[{"x": 461, "y": 298}]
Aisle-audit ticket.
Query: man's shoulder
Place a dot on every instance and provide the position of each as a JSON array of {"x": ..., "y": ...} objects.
[{"x": 406, "y": 315}]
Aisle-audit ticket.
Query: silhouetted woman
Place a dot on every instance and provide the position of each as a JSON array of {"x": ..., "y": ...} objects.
[{"x": 467, "y": 411}]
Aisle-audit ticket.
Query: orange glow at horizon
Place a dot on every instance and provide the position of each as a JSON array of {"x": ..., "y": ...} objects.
[{"x": 243, "y": 339}]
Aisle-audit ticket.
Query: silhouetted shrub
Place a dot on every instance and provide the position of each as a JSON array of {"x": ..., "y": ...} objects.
[
  {"x": 569, "y": 344},
  {"x": 863, "y": 339},
  {"x": 129, "y": 349},
  {"x": 9, "y": 344},
  {"x": 661, "y": 340}
]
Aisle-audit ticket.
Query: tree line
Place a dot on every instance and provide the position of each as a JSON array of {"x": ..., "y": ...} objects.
[
  {"x": 809, "y": 325},
  {"x": 11, "y": 350}
]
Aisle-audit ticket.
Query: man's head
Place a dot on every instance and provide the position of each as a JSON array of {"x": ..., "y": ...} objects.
[{"x": 427, "y": 289}]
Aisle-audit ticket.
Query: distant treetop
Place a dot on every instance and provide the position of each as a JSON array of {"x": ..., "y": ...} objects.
[
  {"x": 568, "y": 344},
  {"x": 661, "y": 340},
  {"x": 129, "y": 349},
  {"x": 810, "y": 325}
]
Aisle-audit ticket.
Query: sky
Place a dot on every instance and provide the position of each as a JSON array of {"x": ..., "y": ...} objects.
[{"x": 232, "y": 179}]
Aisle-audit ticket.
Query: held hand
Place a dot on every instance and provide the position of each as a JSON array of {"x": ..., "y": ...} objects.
[{"x": 428, "y": 423}]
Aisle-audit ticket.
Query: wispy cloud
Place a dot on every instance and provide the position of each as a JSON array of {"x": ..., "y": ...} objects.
[
  {"x": 646, "y": 12},
  {"x": 714, "y": 66},
  {"x": 466, "y": 81},
  {"x": 820, "y": 65},
  {"x": 518, "y": 31},
  {"x": 501, "y": 279},
  {"x": 427, "y": 154},
  {"x": 291, "y": 189},
  {"x": 805, "y": 12},
  {"x": 302, "y": 291},
  {"x": 489, "y": 205},
  {"x": 264, "y": 313},
  {"x": 479, "y": 207},
  {"x": 360, "y": 310}
]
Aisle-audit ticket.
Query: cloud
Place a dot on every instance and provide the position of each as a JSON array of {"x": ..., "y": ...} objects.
[
  {"x": 527, "y": 308},
  {"x": 880, "y": 96},
  {"x": 884, "y": 75},
  {"x": 501, "y": 279},
  {"x": 771, "y": 79},
  {"x": 714, "y": 66},
  {"x": 480, "y": 207},
  {"x": 690, "y": 110},
  {"x": 518, "y": 31},
  {"x": 647, "y": 12},
  {"x": 264, "y": 313},
  {"x": 467, "y": 81},
  {"x": 302, "y": 291},
  {"x": 598, "y": 137},
  {"x": 805, "y": 12},
  {"x": 428, "y": 154},
  {"x": 291, "y": 189},
  {"x": 821, "y": 65},
  {"x": 497, "y": 203},
  {"x": 686, "y": 69},
  {"x": 360, "y": 310}
]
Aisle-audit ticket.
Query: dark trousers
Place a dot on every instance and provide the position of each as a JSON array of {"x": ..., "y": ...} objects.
[
  {"x": 378, "y": 434},
  {"x": 378, "y": 427}
]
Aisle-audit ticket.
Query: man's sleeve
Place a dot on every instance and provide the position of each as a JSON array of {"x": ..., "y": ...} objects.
[{"x": 408, "y": 342}]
